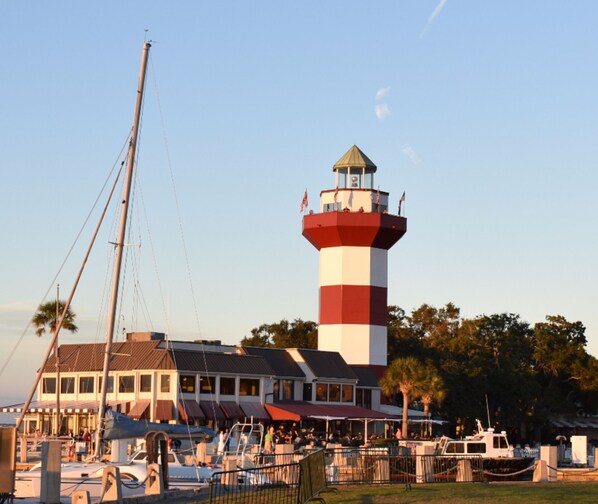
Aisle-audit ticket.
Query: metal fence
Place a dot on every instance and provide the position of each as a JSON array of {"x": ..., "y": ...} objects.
[
  {"x": 269, "y": 484},
  {"x": 378, "y": 465}
]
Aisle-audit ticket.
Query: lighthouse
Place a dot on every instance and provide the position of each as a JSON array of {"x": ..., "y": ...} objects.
[{"x": 353, "y": 232}]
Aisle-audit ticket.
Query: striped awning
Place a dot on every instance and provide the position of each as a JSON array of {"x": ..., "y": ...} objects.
[
  {"x": 232, "y": 410},
  {"x": 212, "y": 410},
  {"x": 139, "y": 409},
  {"x": 65, "y": 407},
  {"x": 255, "y": 410},
  {"x": 189, "y": 410},
  {"x": 163, "y": 411}
]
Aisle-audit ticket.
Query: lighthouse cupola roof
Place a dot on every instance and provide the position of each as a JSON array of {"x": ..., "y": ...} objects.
[{"x": 355, "y": 158}]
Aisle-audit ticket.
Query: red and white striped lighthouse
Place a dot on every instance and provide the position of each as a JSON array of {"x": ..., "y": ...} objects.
[{"x": 353, "y": 232}]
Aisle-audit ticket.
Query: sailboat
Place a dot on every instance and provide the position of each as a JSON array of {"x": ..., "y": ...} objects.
[{"x": 88, "y": 475}]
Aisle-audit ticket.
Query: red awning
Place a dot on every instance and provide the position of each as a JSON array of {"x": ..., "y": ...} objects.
[
  {"x": 189, "y": 410},
  {"x": 255, "y": 410},
  {"x": 139, "y": 409},
  {"x": 163, "y": 410},
  {"x": 232, "y": 410},
  {"x": 301, "y": 410},
  {"x": 212, "y": 410}
]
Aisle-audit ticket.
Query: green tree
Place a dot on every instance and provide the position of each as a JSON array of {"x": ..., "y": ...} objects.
[
  {"x": 296, "y": 334},
  {"x": 403, "y": 375},
  {"x": 45, "y": 318}
]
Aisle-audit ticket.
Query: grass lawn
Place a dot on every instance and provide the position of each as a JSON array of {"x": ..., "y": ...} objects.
[{"x": 457, "y": 493}]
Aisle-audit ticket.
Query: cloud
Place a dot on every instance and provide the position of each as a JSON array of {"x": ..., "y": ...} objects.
[
  {"x": 408, "y": 151},
  {"x": 381, "y": 93},
  {"x": 382, "y": 111},
  {"x": 433, "y": 16}
]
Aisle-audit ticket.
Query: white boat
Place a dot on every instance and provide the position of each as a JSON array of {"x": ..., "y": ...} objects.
[{"x": 486, "y": 443}]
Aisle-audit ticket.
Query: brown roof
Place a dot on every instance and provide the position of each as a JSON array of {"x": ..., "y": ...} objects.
[
  {"x": 126, "y": 356},
  {"x": 327, "y": 364},
  {"x": 355, "y": 158},
  {"x": 211, "y": 363},
  {"x": 279, "y": 359}
]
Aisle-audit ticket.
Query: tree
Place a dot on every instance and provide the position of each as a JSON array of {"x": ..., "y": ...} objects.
[
  {"x": 45, "y": 318},
  {"x": 403, "y": 375},
  {"x": 432, "y": 390},
  {"x": 297, "y": 334}
]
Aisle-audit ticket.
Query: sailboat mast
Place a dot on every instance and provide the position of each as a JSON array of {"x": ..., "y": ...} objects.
[{"x": 120, "y": 247}]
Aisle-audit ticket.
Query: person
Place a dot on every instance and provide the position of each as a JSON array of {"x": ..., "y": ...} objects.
[
  {"x": 399, "y": 433},
  {"x": 269, "y": 440},
  {"x": 221, "y": 440},
  {"x": 86, "y": 439},
  {"x": 226, "y": 440}
]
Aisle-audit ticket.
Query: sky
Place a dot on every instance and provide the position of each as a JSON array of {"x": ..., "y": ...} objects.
[{"x": 483, "y": 113}]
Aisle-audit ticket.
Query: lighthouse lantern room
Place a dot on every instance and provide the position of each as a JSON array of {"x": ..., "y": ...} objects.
[{"x": 353, "y": 232}]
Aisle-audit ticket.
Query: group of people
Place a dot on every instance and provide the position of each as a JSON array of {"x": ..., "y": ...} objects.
[{"x": 301, "y": 438}]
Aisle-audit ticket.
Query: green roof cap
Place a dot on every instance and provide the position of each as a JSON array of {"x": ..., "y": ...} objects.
[{"x": 354, "y": 158}]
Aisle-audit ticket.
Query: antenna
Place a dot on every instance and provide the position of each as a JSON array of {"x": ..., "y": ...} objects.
[{"x": 488, "y": 411}]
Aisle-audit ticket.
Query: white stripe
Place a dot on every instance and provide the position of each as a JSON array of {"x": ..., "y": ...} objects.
[
  {"x": 354, "y": 266},
  {"x": 357, "y": 343}
]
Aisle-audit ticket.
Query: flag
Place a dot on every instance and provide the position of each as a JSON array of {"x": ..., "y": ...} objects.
[
  {"x": 378, "y": 197},
  {"x": 401, "y": 201},
  {"x": 303, "y": 202},
  {"x": 335, "y": 195}
]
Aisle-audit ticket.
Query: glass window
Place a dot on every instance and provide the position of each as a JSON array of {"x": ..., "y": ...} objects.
[
  {"x": 455, "y": 447},
  {"x": 334, "y": 392},
  {"x": 276, "y": 390},
  {"x": 476, "y": 447},
  {"x": 164, "y": 383},
  {"x": 288, "y": 389},
  {"x": 347, "y": 393},
  {"x": 227, "y": 386},
  {"x": 67, "y": 385},
  {"x": 49, "y": 386},
  {"x": 145, "y": 383},
  {"x": 249, "y": 387},
  {"x": 110, "y": 387},
  {"x": 126, "y": 384},
  {"x": 187, "y": 383},
  {"x": 321, "y": 392},
  {"x": 86, "y": 384},
  {"x": 363, "y": 397},
  {"x": 207, "y": 384},
  {"x": 307, "y": 390},
  {"x": 500, "y": 442}
]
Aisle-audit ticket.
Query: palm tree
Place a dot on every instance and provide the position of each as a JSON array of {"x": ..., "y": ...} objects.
[
  {"x": 403, "y": 375},
  {"x": 433, "y": 390},
  {"x": 46, "y": 318}
]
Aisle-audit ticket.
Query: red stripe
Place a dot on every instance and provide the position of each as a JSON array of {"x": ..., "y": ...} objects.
[
  {"x": 353, "y": 304},
  {"x": 335, "y": 229}
]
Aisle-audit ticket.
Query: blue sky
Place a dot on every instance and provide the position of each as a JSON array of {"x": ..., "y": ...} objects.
[{"x": 484, "y": 113}]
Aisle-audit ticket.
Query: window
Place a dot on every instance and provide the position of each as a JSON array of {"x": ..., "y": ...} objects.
[
  {"x": 288, "y": 390},
  {"x": 307, "y": 392},
  {"x": 334, "y": 392},
  {"x": 363, "y": 397},
  {"x": 347, "y": 393},
  {"x": 126, "y": 384},
  {"x": 321, "y": 392},
  {"x": 249, "y": 387},
  {"x": 187, "y": 383},
  {"x": 207, "y": 384},
  {"x": 455, "y": 447},
  {"x": 276, "y": 390},
  {"x": 227, "y": 386},
  {"x": 49, "y": 386},
  {"x": 67, "y": 385},
  {"x": 165, "y": 383},
  {"x": 333, "y": 207},
  {"x": 145, "y": 383},
  {"x": 500, "y": 442},
  {"x": 86, "y": 384},
  {"x": 476, "y": 447},
  {"x": 110, "y": 387}
]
